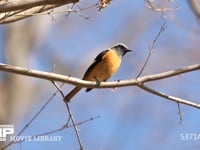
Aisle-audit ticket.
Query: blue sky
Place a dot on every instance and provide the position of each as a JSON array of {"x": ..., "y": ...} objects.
[{"x": 130, "y": 118}]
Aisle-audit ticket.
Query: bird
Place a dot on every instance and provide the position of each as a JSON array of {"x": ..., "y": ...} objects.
[{"x": 103, "y": 67}]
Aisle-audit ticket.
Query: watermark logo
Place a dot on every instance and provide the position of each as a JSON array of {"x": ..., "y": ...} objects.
[
  {"x": 6, "y": 130},
  {"x": 37, "y": 138}
]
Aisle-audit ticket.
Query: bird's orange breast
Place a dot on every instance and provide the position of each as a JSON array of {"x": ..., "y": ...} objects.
[{"x": 104, "y": 69}]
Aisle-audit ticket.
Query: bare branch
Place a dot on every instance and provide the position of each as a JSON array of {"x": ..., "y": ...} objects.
[
  {"x": 195, "y": 6},
  {"x": 18, "y": 15},
  {"x": 14, "y": 10},
  {"x": 31, "y": 120},
  {"x": 14, "y": 5},
  {"x": 70, "y": 116},
  {"x": 89, "y": 84},
  {"x": 172, "y": 98},
  {"x": 162, "y": 29},
  {"x": 180, "y": 115},
  {"x": 150, "y": 6},
  {"x": 52, "y": 131}
]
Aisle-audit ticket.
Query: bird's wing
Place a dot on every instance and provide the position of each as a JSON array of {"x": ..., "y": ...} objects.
[{"x": 95, "y": 62}]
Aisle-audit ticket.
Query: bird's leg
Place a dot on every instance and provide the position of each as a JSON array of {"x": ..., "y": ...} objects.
[{"x": 97, "y": 81}]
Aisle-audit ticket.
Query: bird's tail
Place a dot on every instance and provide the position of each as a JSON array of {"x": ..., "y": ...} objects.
[{"x": 69, "y": 96}]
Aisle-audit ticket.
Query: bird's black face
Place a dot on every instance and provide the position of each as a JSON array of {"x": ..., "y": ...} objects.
[{"x": 121, "y": 49}]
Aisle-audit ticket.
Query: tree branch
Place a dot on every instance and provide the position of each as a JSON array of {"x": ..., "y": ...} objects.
[
  {"x": 195, "y": 6},
  {"x": 14, "y": 10},
  {"x": 50, "y": 132},
  {"x": 172, "y": 98},
  {"x": 162, "y": 29},
  {"x": 150, "y": 6},
  {"x": 89, "y": 84},
  {"x": 22, "y": 14},
  {"x": 14, "y": 5},
  {"x": 70, "y": 116}
]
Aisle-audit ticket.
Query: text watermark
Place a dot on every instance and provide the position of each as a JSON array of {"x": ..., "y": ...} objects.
[
  {"x": 189, "y": 136},
  {"x": 43, "y": 138},
  {"x": 6, "y": 130}
]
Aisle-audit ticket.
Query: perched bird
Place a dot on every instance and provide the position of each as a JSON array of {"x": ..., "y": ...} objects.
[{"x": 104, "y": 66}]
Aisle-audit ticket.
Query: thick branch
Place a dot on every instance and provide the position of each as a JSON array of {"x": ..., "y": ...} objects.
[
  {"x": 15, "y": 16},
  {"x": 15, "y": 5},
  {"x": 195, "y": 6},
  {"x": 14, "y": 10},
  {"x": 89, "y": 84},
  {"x": 133, "y": 82}
]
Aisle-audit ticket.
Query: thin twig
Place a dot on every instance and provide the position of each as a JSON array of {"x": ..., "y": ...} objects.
[
  {"x": 33, "y": 118},
  {"x": 71, "y": 116},
  {"x": 162, "y": 29},
  {"x": 68, "y": 13},
  {"x": 161, "y": 9},
  {"x": 20, "y": 145},
  {"x": 169, "y": 97},
  {"x": 57, "y": 130},
  {"x": 180, "y": 114}
]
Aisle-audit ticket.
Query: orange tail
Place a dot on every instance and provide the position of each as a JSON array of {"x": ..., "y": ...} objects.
[{"x": 69, "y": 96}]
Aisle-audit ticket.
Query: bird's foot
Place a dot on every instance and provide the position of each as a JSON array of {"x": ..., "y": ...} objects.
[{"x": 97, "y": 82}]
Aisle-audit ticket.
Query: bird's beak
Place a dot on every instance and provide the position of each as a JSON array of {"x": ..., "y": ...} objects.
[{"x": 128, "y": 50}]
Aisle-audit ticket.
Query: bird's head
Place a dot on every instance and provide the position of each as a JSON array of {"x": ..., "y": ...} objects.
[{"x": 121, "y": 49}]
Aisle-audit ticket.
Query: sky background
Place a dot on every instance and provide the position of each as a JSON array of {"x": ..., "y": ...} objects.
[{"x": 130, "y": 118}]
